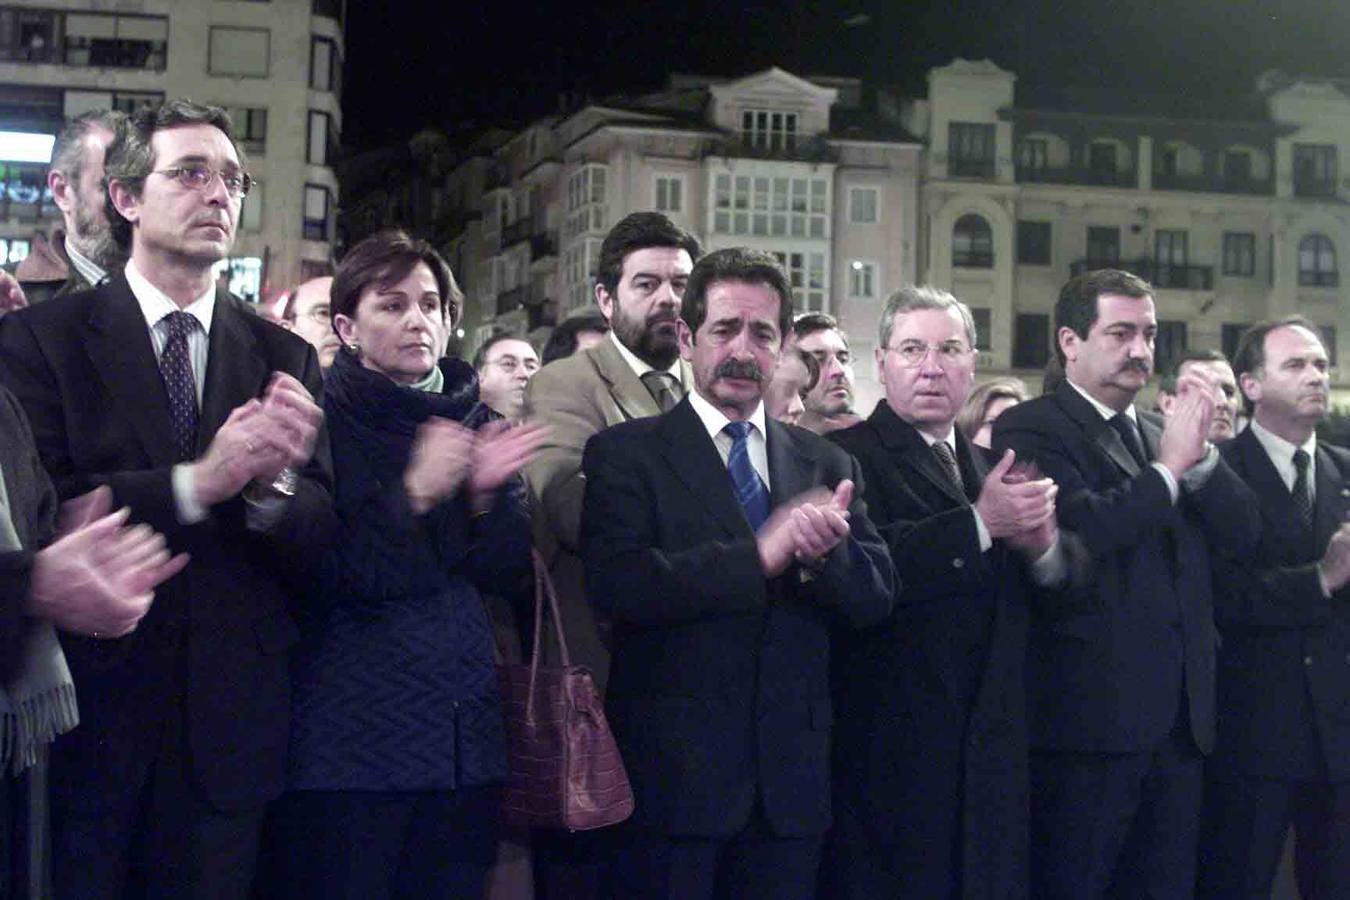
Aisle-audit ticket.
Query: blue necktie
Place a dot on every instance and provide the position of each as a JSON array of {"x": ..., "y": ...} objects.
[
  {"x": 175, "y": 367},
  {"x": 750, "y": 490}
]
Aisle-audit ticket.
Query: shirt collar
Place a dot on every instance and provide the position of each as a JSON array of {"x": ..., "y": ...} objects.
[
  {"x": 949, "y": 438},
  {"x": 155, "y": 304},
  {"x": 639, "y": 367},
  {"x": 1281, "y": 452},
  {"x": 714, "y": 420},
  {"x": 1106, "y": 412},
  {"x": 88, "y": 269}
]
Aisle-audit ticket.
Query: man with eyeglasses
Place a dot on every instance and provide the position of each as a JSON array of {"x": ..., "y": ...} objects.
[
  {"x": 200, "y": 417},
  {"x": 1121, "y": 695},
  {"x": 307, "y": 312},
  {"x": 930, "y": 746},
  {"x": 505, "y": 364}
]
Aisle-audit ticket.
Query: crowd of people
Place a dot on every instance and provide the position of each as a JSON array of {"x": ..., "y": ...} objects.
[{"x": 257, "y": 568}]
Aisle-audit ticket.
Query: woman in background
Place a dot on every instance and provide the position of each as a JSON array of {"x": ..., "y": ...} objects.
[{"x": 985, "y": 404}]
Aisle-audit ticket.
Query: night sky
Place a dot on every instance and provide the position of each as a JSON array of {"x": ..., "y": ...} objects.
[{"x": 505, "y": 61}]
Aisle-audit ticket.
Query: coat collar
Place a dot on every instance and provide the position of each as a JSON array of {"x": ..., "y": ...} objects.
[
  {"x": 906, "y": 446},
  {"x": 1099, "y": 431},
  {"x": 624, "y": 385}
]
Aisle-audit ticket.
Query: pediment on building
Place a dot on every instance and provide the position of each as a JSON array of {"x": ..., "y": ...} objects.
[{"x": 773, "y": 84}]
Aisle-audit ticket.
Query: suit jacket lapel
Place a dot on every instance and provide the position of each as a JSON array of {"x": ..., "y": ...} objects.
[
  {"x": 696, "y": 462},
  {"x": 624, "y": 386},
  {"x": 1095, "y": 427},
  {"x": 235, "y": 373},
  {"x": 1330, "y": 501},
  {"x": 791, "y": 470},
  {"x": 119, "y": 347},
  {"x": 907, "y": 449}
]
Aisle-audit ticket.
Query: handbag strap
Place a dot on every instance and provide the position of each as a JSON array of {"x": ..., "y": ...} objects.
[{"x": 543, "y": 589}]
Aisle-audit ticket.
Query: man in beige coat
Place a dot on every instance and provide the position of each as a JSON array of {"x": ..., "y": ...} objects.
[{"x": 635, "y": 371}]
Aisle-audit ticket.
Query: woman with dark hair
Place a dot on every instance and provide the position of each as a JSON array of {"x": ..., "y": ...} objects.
[
  {"x": 985, "y": 404},
  {"x": 397, "y": 743}
]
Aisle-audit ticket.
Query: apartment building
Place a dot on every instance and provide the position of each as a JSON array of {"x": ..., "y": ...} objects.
[
  {"x": 275, "y": 65},
  {"x": 1235, "y": 209}
]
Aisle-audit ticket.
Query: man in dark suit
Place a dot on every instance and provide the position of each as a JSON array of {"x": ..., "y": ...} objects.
[
  {"x": 1121, "y": 696},
  {"x": 200, "y": 417},
  {"x": 930, "y": 752},
  {"x": 1282, "y": 754},
  {"x": 725, "y": 546}
]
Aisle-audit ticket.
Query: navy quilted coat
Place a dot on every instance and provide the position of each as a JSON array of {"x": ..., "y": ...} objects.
[{"x": 394, "y": 681}]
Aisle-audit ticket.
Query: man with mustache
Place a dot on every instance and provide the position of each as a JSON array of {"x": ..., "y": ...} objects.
[
  {"x": 634, "y": 371},
  {"x": 727, "y": 547},
  {"x": 200, "y": 417},
  {"x": 1121, "y": 694},
  {"x": 1282, "y": 755},
  {"x": 829, "y": 405},
  {"x": 1215, "y": 365},
  {"x": 86, "y": 251}
]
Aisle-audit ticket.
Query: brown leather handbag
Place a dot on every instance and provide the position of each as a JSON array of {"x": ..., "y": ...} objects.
[{"x": 565, "y": 767}]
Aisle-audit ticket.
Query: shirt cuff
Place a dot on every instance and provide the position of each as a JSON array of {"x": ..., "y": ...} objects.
[
  {"x": 983, "y": 532},
  {"x": 1052, "y": 568},
  {"x": 190, "y": 512},
  {"x": 1322, "y": 582},
  {"x": 1172, "y": 489},
  {"x": 1198, "y": 474}
]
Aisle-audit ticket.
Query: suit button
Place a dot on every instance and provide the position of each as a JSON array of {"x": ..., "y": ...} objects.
[
  {"x": 1307, "y": 660},
  {"x": 958, "y": 563}
]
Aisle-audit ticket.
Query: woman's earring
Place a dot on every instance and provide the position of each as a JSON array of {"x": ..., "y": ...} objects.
[{"x": 355, "y": 347}]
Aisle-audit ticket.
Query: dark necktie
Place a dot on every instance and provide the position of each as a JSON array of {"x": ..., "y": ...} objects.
[
  {"x": 661, "y": 386},
  {"x": 175, "y": 367},
  {"x": 1129, "y": 435},
  {"x": 1302, "y": 495},
  {"x": 948, "y": 459},
  {"x": 750, "y": 490}
]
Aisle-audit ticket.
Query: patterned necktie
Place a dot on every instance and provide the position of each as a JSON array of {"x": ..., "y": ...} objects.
[
  {"x": 1302, "y": 495},
  {"x": 175, "y": 367},
  {"x": 750, "y": 490},
  {"x": 948, "y": 459},
  {"x": 1129, "y": 435},
  {"x": 661, "y": 386}
]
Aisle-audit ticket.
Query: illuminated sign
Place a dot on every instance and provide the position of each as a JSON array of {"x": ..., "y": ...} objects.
[{"x": 22, "y": 146}]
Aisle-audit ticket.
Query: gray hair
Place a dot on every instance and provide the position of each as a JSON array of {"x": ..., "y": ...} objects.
[
  {"x": 913, "y": 297},
  {"x": 68, "y": 150}
]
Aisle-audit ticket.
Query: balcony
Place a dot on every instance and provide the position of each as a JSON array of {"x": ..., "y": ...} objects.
[
  {"x": 543, "y": 245},
  {"x": 1077, "y": 175},
  {"x": 1217, "y": 184},
  {"x": 1314, "y": 187},
  {"x": 789, "y": 149},
  {"x": 965, "y": 167},
  {"x": 516, "y": 232},
  {"x": 1166, "y": 276},
  {"x": 509, "y": 301}
]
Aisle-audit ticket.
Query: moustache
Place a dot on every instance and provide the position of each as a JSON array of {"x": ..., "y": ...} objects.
[
  {"x": 1137, "y": 364},
  {"x": 735, "y": 368}
]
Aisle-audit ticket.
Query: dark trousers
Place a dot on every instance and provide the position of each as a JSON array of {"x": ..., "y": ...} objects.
[
  {"x": 1244, "y": 830},
  {"x": 754, "y": 863},
  {"x": 1116, "y": 825},
  {"x": 381, "y": 845},
  {"x": 158, "y": 840}
]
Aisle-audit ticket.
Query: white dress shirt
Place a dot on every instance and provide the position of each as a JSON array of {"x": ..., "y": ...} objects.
[
  {"x": 714, "y": 420},
  {"x": 641, "y": 368},
  {"x": 1281, "y": 453}
]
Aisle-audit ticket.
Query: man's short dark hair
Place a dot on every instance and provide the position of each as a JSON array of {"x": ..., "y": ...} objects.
[
  {"x": 638, "y": 231},
  {"x": 1250, "y": 356},
  {"x": 810, "y": 323},
  {"x": 131, "y": 159},
  {"x": 384, "y": 259},
  {"x": 1077, "y": 304},
  {"x": 563, "y": 341},
  {"x": 1168, "y": 383},
  {"x": 736, "y": 264},
  {"x": 68, "y": 150},
  {"x": 812, "y": 370},
  {"x": 480, "y": 355}
]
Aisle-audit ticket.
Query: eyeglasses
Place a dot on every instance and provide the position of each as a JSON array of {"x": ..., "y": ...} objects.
[
  {"x": 913, "y": 353},
  {"x": 510, "y": 365},
  {"x": 198, "y": 178}
]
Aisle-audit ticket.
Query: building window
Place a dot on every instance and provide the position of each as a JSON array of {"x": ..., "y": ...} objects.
[
  {"x": 1169, "y": 345},
  {"x": 77, "y": 102},
  {"x": 970, "y": 150},
  {"x": 806, "y": 274},
  {"x": 1239, "y": 253},
  {"x": 321, "y": 142},
  {"x": 670, "y": 193},
  {"x": 1315, "y": 170},
  {"x": 1103, "y": 246},
  {"x": 1237, "y": 166},
  {"x": 13, "y": 251},
  {"x": 250, "y": 128},
  {"x": 1169, "y": 161},
  {"x": 314, "y": 268},
  {"x": 864, "y": 205},
  {"x": 1317, "y": 262},
  {"x": 1031, "y": 340},
  {"x": 120, "y": 42},
  {"x": 862, "y": 280},
  {"x": 323, "y": 64},
  {"x": 30, "y": 35},
  {"x": 586, "y": 192},
  {"x": 251, "y": 210},
  {"x": 245, "y": 277},
  {"x": 1104, "y": 162},
  {"x": 1230, "y": 334},
  {"x": 239, "y": 52},
  {"x": 1033, "y": 155},
  {"x": 764, "y": 129},
  {"x": 1033, "y": 243},
  {"x": 984, "y": 327},
  {"x": 317, "y": 203},
  {"x": 766, "y": 206},
  {"x": 972, "y": 242},
  {"x": 1328, "y": 334}
]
